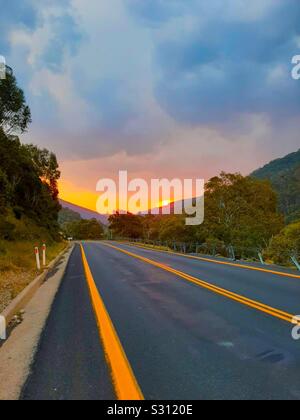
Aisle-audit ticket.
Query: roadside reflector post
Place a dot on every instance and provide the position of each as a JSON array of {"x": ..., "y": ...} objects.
[
  {"x": 232, "y": 253},
  {"x": 2, "y": 328},
  {"x": 37, "y": 256},
  {"x": 44, "y": 255},
  {"x": 261, "y": 258},
  {"x": 214, "y": 251},
  {"x": 295, "y": 261}
]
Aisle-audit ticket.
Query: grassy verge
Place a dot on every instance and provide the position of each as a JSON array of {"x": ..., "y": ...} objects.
[
  {"x": 245, "y": 260},
  {"x": 18, "y": 269}
]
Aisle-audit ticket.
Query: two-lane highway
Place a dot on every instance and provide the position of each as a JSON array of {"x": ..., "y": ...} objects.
[{"x": 165, "y": 326}]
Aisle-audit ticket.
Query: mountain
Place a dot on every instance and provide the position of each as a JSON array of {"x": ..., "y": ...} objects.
[
  {"x": 284, "y": 174},
  {"x": 85, "y": 213}
]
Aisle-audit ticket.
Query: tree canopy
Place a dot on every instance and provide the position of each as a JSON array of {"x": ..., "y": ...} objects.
[
  {"x": 126, "y": 225},
  {"x": 15, "y": 115},
  {"x": 240, "y": 211},
  {"x": 84, "y": 230}
]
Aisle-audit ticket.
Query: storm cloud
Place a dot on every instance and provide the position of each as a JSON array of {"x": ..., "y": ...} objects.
[{"x": 136, "y": 77}]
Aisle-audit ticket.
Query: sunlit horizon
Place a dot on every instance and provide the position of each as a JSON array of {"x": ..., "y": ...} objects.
[{"x": 69, "y": 193}]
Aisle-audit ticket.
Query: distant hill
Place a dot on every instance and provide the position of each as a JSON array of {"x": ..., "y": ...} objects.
[
  {"x": 284, "y": 175},
  {"x": 85, "y": 213},
  {"x": 66, "y": 216},
  {"x": 170, "y": 208}
]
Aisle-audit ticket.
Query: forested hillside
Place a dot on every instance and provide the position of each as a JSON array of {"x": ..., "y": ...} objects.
[
  {"x": 84, "y": 212},
  {"x": 29, "y": 204},
  {"x": 284, "y": 175},
  {"x": 27, "y": 190},
  {"x": 67, "y": 216},
  {"x": 28, "y": 175}
]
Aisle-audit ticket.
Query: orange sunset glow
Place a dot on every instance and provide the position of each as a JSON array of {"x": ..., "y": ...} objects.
[
  {"x": 79, "y": 196},
  {"x": 88, "y": 199}
]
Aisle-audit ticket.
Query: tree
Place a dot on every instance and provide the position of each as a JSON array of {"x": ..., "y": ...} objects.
[
  {"x": 240, "y": 211},
  {"x": 22, "y": 188},
  {"x": 85, "y": 230},
  {"x": 126, "y": 225},
  {"x": 151, "y": 227},
  {"x": 15, "y": 115},
  {"x": 4, "y": 191},
  {"x": 46, "y": 165},
  {"x": 173, "y": 228}
]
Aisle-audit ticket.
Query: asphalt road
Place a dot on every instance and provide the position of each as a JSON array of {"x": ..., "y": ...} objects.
[{"x": 182, "y": 341}]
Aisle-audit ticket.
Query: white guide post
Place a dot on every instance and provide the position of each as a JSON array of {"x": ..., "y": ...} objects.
[
  {"x": 37, "y": 256},
  {"x": 44, "y": 255}
]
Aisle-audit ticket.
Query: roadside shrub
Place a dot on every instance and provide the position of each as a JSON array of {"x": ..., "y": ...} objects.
[
  {"x": 7, "y": 230},
  {"x": 215, "y": 246},
  {"x": 2, "y": 249},
  {"x": 18, "y": 212},
  {"x": 4, "y": 191},
  {"x": 285, "y": 245}
]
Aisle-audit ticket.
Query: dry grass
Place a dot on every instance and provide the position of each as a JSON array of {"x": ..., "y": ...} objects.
[
  {"x": 158, "y": 247},
  {"x": 18, "y": 269}
]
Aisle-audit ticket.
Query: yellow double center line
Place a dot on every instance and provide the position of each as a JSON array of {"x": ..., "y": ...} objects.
[
  {"x": 233, "y": 296},
  {"x": 124, "y": 381}
]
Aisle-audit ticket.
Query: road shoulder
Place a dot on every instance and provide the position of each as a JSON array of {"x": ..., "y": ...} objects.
[{"x": 17, "y": 353}]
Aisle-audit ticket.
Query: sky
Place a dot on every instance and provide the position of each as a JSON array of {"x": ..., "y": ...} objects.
[{"x": 161, "y": 88}]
